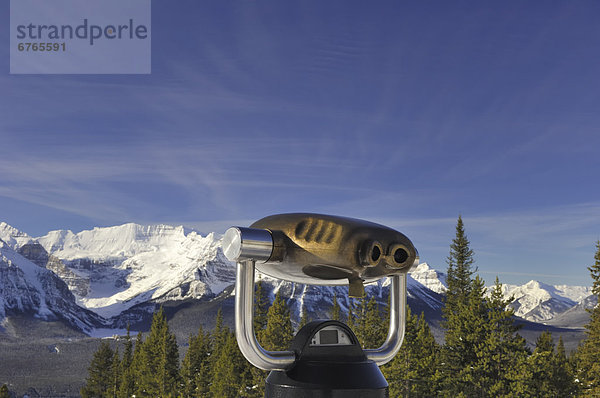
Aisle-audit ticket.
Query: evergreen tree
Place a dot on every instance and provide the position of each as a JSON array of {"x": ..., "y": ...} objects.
[
  {"x": 255, "y": 387},
  {"x": 335, "y": 310},
  {"x": 588, "y": 367},
  {"x": 541, "y": 367},
  {"x": 460, "y": 274},
  {"x": 544, "y": 343},
  {"x": 374, "y": 325},
  {"x": 195, "y": 369},
  {"x": 158, "y": 374},
  {"x": 481, "y": 346},
  {"x": 369, "y": 324},
  {"x": 261, "y": 306},
  {"x": 276, "y": 336},
  {"x": 563, "y": 377},
  {"x": 518, "y": 376},
  {"x": 545, "y": 373},
  {"x": 501, "y": 348},
  {"x": 464, "y": 339},
  {"x": 413, "y": 371},
  {"x": 127, "y": 382},
  {"x": 137, "y": 363},
  {"x": 358, "y": 319},
  {"x": 116, "y": 374},
  {"x": 400, "y": 372},
  {"x": 4, "y": 393},
  {"x": 169, "y": 366},
  {"x": 219, "y": 335},
  {"x": 463, "y": 314},
  {"x": 230, "y": 378},
  {"x": 278, "y": 332},
  {"x": 100, "y": 379},
  {"x": 147, "y": 365}
]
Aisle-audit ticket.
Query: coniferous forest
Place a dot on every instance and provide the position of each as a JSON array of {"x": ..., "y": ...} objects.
[{"x": 482, "y": 354}]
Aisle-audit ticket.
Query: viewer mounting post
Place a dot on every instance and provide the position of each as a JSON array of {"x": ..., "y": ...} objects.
[{"x": 325, "y": 358}]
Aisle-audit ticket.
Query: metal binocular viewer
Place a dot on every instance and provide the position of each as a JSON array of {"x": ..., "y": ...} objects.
[{"x": 325, "y": 358}]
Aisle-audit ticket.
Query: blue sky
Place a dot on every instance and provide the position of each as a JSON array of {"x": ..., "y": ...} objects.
[{"x": 404, "y": 113}]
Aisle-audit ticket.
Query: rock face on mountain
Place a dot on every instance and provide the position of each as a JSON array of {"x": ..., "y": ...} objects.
[
  {"x": 119, "y": 274},
  {"x": 35, "y": 253},
  {"x": 26, "y": 287}
]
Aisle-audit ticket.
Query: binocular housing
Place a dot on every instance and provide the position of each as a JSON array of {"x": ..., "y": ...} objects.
[{"x": 320, "y": 249}]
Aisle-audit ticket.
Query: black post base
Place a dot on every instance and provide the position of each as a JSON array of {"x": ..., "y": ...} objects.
[{"x": 330, "y": 364}]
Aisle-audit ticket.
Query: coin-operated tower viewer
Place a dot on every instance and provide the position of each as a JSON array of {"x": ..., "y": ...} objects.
[{"x": 325, "y": 358}]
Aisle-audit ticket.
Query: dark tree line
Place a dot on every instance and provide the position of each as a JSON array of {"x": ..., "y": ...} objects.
[
  {"x": 213, "y": 366},
  {"x": 482, "y": 355}
]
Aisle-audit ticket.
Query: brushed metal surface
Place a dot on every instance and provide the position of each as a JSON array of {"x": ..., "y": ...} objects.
[
  {"x": 331, "y": 250},
  {"x": 241, "y": 244},
  {"x": 397, "y": 325},
  {"x": 244, "y": 324}
]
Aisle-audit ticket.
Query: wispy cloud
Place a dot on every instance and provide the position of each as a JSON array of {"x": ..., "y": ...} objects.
[{"x": 104, "y": 176}]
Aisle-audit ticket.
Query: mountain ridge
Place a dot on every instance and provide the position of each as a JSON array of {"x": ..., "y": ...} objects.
[{"x": 117, "y": 271}]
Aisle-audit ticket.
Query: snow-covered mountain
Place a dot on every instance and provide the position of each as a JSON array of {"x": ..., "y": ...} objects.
[
  {"x": 131, "y": 264},
  {"x": 26, "y": 287},
  {"x": 430, "y": 278},
  {"x": 113, "y": 270},
  {"x": 539, "y": 302},
  {"x": 13, "y": 237}
]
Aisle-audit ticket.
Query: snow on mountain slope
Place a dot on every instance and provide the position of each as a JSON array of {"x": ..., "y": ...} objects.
[
  {"x": 131, "y": 264},
  {"x": 430, "y": 278},
  {"x": 575, "y": 293},
  {"x": 13, "y": 237},
  {"x": 575, "y": 316},
  {"x": 117, "y": 242},
  {"x": 27, "y": 288},
  {"x": 539, "y": 302}
]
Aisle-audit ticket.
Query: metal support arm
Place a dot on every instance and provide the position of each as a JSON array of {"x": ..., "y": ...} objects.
[
  {"x": 390, "y": 347},
  {"x": 281, "y": 360},
  {"x": 244, "y": 324}
]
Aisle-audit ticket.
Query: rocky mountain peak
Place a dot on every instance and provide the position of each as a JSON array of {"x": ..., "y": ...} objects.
[{"x": 13, "y": 237}]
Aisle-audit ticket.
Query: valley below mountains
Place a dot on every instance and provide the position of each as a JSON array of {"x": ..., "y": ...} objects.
[{"x": 61, "y": 292}]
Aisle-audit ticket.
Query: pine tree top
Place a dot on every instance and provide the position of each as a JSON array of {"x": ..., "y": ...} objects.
[
  {"x": 460, "y": 253},
  {"x": 460, "y": 274},
  {"x": 544, "y": 343},
  {"x": 595, "y": 271}
]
